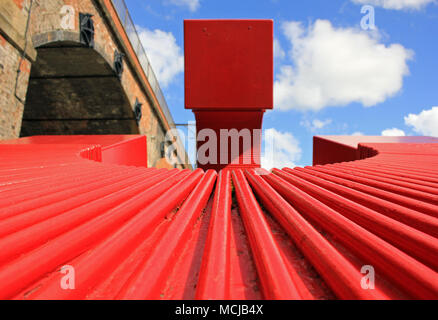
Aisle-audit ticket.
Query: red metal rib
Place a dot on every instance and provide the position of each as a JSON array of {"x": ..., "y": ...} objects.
[
  {"x": 135, "y": 232},
  {"x": 277, "y": 281},
  {"x": 215, "y": 269}
]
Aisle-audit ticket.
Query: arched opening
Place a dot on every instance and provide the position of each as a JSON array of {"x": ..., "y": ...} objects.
[{"x": 74, "y": 90}]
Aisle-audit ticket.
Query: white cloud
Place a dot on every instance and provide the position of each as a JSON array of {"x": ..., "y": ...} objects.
[
  {"x": 337, "y": 66},
  {"x": 357, "y": 133},
  {"x": 281, "y": 149},
  {"x": 164, "y": 54},
  {"x": 394, "y": 132},
  {"x": 193, "y": 5},
  {"x": 315, "y": 124},
  {"x": 425, "y": 123},
  {"x": 397, "y": 4},
  {"x": 278, "y": 50}
]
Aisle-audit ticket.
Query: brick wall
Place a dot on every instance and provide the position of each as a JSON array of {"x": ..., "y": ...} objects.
[
  {"x": 12, "y": 89},
  {"x": 45, "y": 28},
  {"x": 14, "y": 67}
]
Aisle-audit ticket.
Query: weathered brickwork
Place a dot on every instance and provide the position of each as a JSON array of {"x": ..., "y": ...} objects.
[
  {"x": 14, "y": 66},
  {"x": 12, "y": 89},
  {"x": 58, "y": 99}
]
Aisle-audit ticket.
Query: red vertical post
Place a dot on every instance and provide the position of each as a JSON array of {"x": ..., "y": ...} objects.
[{"x": 228, "y": 85}]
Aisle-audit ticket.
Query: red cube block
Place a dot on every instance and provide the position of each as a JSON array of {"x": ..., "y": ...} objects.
[{"x": 228, "y": 64}]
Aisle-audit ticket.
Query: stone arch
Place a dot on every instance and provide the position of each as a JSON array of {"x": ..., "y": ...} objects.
[{"x": 74, "y": 89}]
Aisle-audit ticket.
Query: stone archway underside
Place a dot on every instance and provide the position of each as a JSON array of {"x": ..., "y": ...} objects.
[{"x": 73, "y": 90}]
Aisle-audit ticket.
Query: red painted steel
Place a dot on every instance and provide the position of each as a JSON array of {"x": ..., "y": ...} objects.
[
  {"x": 335, "y": 268},
  {"x": 106, "y": 254},
  {"x": 231, "y": 98},
  {"x": 215, "y": 269},
  {"x": 158, "y": 265},
  {"x": 331, "y": 149},
  {"x": 410, "y": 240},
  {"x": 228, "y": 64},
  {"x": 408, "y": 216},
  {"x": 135, "y": 232},
  {"x": 402, "y": 269},
  {"x": 243, "y": 123},
  {"x": 277, "y": 281},
  {"x": 128, "y": 149}
]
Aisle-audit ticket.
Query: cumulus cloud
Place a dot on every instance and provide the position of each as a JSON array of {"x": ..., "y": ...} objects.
[
  {"x": 397, "y": 4},
  {"x": 394, "y": 132},
  {"x": 425, "y": 123},
  {"x": 193, "y": 5},
  {"x": 315, "y": 124},
  {"x": 357, "y": 133},
  {"x": 337, "y": 66},
  {"x": 164, "y": 54},
  {"x": 278, "y": 50},
  {"x": 282, "y": 149}
]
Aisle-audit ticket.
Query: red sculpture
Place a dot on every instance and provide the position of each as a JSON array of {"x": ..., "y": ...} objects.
[{"x": 228, "y": 85}]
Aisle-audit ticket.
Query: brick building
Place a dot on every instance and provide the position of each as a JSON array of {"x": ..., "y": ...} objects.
[{"x": 77, "y": 67}]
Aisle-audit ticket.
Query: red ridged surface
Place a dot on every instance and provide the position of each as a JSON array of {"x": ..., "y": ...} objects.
[{"x": 144, "y": 233}]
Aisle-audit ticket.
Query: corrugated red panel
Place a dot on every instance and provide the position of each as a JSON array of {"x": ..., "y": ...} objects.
[{"x": 131, "y": 232}]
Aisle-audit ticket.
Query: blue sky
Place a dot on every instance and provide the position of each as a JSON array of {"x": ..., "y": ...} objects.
[{"x": 331, "y": 75}]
